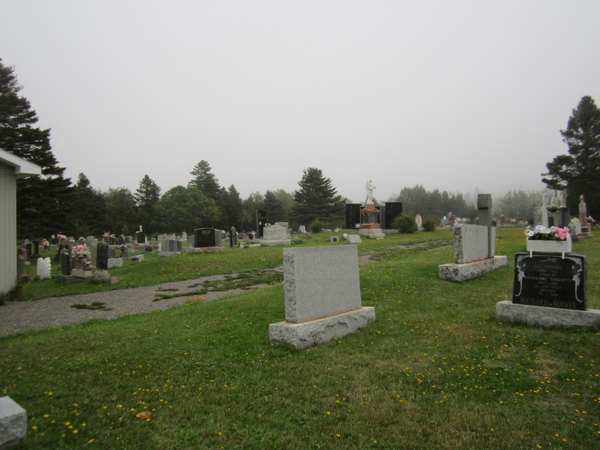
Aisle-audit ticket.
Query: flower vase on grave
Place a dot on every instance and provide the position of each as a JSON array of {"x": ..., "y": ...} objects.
[{"x": 544, "y": 246}]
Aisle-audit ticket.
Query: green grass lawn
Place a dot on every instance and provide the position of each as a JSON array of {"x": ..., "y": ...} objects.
[{"x": 435, "y": 371}]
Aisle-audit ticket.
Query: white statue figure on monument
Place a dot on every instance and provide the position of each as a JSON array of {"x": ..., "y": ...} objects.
[
  {"x": 369, "y": 187},
  {"x": 545, "y": 197},
  {"x": 562, "y": 199}
]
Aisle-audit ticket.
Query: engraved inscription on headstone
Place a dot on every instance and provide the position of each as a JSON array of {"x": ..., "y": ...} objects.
[{"x": 550, "y": 281}]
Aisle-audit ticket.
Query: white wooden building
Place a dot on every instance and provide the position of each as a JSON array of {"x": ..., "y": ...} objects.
[{"x": 11, "y": 168}]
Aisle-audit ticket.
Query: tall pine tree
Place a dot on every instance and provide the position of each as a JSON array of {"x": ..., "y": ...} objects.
[
  {"x": 146, "y": 197},
  {"x": 579, "y": 171},
  {"x": 90, "y": 206},
  {"x": 317, "y": 199},
  {"x": 43, "y": 202},
  {"x": 205, "y": 180}
]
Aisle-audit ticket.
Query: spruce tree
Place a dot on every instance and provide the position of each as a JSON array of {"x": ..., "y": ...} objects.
[
  {"x": 317, "y": 199},
  {"x": 146, "y": 197},
  {"x": 579, "y": 171},
  {"x": 205, "y": 181},
  {"x": 43, "y": 202},
  {"x": 90, "y": 207}
]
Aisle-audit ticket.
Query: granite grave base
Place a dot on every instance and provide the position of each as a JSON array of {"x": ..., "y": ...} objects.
[
  {"x": 464, "y": 272},
  {"x": 319, "y": 331},
  {"x": 169, "y": 254},
  {"x": 509, "y": 312},
  {"x": 373, "y": 233},
  {"x": 275, "y": 242},
  {"x": 205, "y": 249}
]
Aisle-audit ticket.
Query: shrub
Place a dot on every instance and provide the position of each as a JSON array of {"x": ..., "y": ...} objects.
[
  {"x": 316, "y": 226},
  {"x": 429, "y": 224},
  {"x": 405, "y": 223}
]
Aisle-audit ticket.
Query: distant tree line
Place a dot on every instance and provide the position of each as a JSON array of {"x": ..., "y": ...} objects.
[{"x": 50, "y": 203}]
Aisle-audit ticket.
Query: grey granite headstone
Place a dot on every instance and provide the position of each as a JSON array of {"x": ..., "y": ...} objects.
[
  {"x": 278, "y": 231},
  {"x": 13, "y": 423},
  {"x": 322, "y": 296},
  {"x": 102, "y": 256},
  {"x": 471, "y": 243},
  {"x": 353, "y": 239},
  {"x": 320, "y": 282}
]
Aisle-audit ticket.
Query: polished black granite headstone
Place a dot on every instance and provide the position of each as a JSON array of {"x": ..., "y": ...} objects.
[
  {"x": 546, "y": 279},
  {"x": 102, "y": 256}
]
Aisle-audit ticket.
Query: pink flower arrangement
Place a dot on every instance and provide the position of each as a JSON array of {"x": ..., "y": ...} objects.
[
  {"x": 562, "y": 233},
  {"x": 80, "y": 251}
]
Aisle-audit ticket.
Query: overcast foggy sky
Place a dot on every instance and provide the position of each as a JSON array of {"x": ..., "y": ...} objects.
[{"x": 456, "y": 95}]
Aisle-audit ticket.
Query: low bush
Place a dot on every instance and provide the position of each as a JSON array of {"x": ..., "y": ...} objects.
[
  {"x": 429, "y": 224},
  {"x": 316, "y": 226},
  {"x": 405, "y": 223}
]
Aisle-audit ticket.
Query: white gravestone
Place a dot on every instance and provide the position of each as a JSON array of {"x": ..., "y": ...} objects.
[
  {"x": 44, "y": 268},
  {"x": 276, "y": 234}
]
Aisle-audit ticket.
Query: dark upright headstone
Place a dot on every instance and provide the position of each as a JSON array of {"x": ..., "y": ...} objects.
[
  {"x": 29, "y": 246},
  {"x": 65, "y": 262},
  {"x": 352, "y": 215},
  {"x": 546, "y": 279},
  {"x": 140, "y": 237},
  {"x": 261, "y": 221},
  {"x": 232, "y": 237},
  {"x": 207, "y": 237},
  {"x": 20, "y": 265},
  {"x": 102, "y": 256},
  {"x": 484, "y": 210},
  {"x": 148, "y": 248},
  {"x": 392, "y": 210},
  {"x": 36, "y": 249}
]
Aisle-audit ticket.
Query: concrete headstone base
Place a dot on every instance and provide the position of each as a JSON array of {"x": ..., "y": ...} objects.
[
  {"x": 507, "y": 311},
  {"x": 375, "y": 233},
  {"x": 205, "y": 249},
  {"x": 306, "y": 334},
  {"x": 13, "y": 423},
  {"x": 275, "y": 242},
  {"x": 464, "y": 272},
  {"x": 168, "y": 254},
  {"x": 80, "y": 273}
]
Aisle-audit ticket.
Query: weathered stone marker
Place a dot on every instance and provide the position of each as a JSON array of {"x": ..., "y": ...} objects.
[{"x": 322, "y": 296}]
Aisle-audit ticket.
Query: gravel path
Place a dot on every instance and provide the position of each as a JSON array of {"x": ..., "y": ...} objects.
[{"x": 56, "y": 312}]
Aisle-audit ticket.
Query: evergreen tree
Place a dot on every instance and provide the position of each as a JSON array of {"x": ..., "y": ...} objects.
[
  {"x": 274, "y": 208},
  {"x": 579, "y": 171},
  {"x": 205, "y": 181},
  {"x": 249, "y": 206},
  {"x": 231, "y": 208},
  {"x": 317, "y": 199},
  {"x": 185, "y": 209},
  {"x": 519, "y": 204},
  {"x": 146, "y": 197},
  {"x": 43, "y": 202},
  {"x": 90, "y": 209},
  {"x": 121, "y": 214}
]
